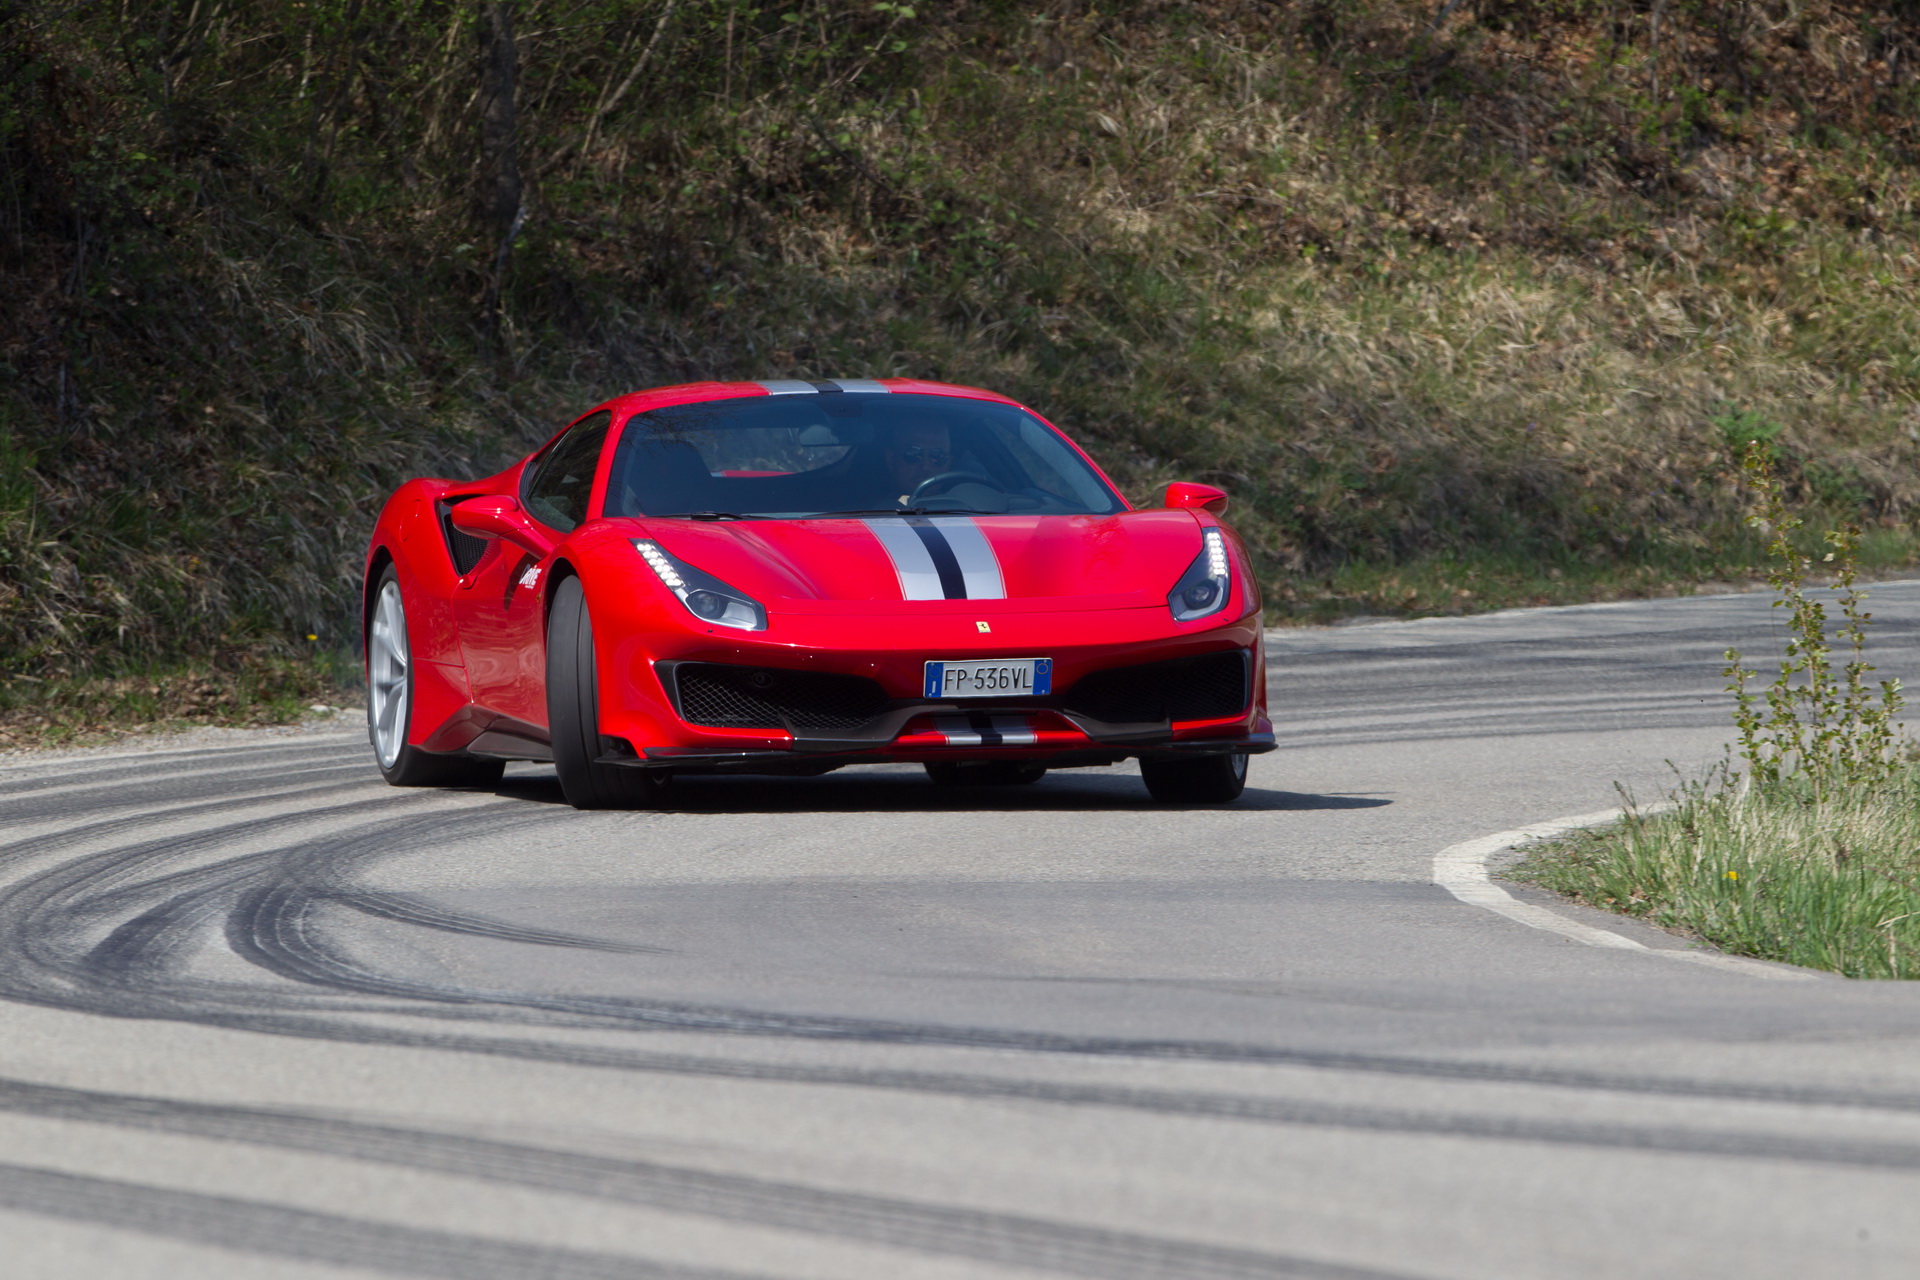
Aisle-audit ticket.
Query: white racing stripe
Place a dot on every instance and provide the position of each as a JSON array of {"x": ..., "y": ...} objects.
[
  {"x": 978, "y": 565},
  {"x": 986, "y": 731},
  {"x": 919, "y": 580},
  {"x": 795, "y": 387},
  {"x": 906, "y": 543}
]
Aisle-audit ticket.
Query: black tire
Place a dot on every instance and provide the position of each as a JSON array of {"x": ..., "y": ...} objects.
[
  {"x": 986, "y": 773},
  {"x": 1196, "y": 780},
  {"x": 573, "y": 715},
  {"x": 410, "y": 766}
]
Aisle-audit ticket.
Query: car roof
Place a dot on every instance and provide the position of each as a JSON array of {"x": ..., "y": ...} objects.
[{"x": 690, "y": 392}]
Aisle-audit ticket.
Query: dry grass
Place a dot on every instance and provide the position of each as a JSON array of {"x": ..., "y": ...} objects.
[{"x": 255, "y": 691}]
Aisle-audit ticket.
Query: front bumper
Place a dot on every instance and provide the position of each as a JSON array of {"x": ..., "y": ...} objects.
[{"x": 645, "y": 722}]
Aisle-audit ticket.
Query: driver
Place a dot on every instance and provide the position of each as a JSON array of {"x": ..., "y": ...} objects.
[{"x": 914, "y": 454}]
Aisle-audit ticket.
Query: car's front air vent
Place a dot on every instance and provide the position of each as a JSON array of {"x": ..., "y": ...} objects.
[
  {"x": 1212, "y": 686},
  {"x": 463, "y": 548},
  {"x": 731, "y": 697}
]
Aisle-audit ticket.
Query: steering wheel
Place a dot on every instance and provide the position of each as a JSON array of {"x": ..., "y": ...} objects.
[{"x": 947, "y": 480}]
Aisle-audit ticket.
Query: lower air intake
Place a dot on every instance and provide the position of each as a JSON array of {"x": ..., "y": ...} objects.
[
  {"x": 730, "y": 697},
  {"x": 1212, "y": 686}
]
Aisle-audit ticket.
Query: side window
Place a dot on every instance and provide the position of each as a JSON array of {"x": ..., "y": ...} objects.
[{"x": 557, "y": 484}]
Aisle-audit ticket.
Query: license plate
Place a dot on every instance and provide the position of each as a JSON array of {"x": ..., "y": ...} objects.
[{"x": 991, "y": 678}]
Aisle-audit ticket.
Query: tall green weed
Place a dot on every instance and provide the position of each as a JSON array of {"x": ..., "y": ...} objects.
[
  {"x": 1811, "y": 856},
  {"x": 1822, "y": 729}
]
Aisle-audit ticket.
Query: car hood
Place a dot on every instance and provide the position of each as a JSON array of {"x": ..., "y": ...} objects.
[{"x": 988, "y": 562}]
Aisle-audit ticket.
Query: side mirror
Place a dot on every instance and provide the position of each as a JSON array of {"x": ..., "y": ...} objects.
[
  {"x": 1182, "y": 493},
  {"x": 501, "y": 519}
]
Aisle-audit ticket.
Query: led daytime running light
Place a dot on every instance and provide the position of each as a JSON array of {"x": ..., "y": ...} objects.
[
  {"x": 705, "y": 596},
  {"x": 1207, "y": 586},
  {"x": 1216, "y": 553},
  {"x": 657, "y": 560}
]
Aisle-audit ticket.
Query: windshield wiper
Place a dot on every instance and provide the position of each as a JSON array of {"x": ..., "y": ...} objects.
[{"x": 711, "y": 515}]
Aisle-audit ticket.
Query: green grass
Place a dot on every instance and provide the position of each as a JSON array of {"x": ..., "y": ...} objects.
[{"x": 1766, "y": 872}]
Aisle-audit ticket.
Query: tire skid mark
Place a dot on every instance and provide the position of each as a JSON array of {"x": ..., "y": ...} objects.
[
  {"x": 1418, "y": 733},
  {"x": 349, "y": 736},
  {"x": 71, "y": 804},
  {"x": 225, "y": 891},
  {"x": 29, "y": 765},
  {"x": 45, "y": 917},
  {"x": 95, "y": 876},
  {"x": 256, "y": 1227},
  {"x": 983, "y": 1235},
  {"x": 410, "y": 909},
  {"x": 270, "y": 929},
  {"x": 107, "y": 827},
  {"x": 291, "y": 956},
  {"x": 152, "y": 943},
  {"x": 280, "y": 930},
  {"x": 1188, "y": 1104},
  {"x": 1197, "y": 1103},
  {"x": 77, "y": 803},
  {"x": 275, "y": 934},
  {"x": 167, "y": 773},
  {"x": 130, "y": 973}
]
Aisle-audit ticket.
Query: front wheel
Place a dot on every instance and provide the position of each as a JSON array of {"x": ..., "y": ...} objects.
[
  {"x": 390, "y": 705},
  {"x": 1196, "y": 780},
  {"x": 573, "y": 715}
]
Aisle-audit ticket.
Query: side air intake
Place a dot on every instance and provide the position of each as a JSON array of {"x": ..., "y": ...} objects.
[{"x": 463, "y": 548}]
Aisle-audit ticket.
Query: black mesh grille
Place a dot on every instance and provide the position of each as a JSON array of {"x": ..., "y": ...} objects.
[
  {"x": 464, "y": 549},
  {"x": 1209, "y": 687},
  {"x": 759, "y": 697}
]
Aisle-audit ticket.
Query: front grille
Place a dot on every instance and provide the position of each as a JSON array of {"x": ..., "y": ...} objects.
[
  {"x": 732, "y": 697},
  {"x": 463, "y": 548},
  {"x": 1209, "y": 687}
]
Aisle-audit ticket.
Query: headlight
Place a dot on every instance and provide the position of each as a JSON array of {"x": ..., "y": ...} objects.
[
  {"x": 1207, "y": 584},
  {"x": 706, "y": 597}
]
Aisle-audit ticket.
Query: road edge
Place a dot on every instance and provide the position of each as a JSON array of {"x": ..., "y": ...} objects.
[
  {"x": 1461, "y": 869},
  {"x": 199, "y": 740}
]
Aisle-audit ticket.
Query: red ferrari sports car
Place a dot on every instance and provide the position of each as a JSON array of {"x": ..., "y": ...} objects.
[{"x": 788, "y": 577}]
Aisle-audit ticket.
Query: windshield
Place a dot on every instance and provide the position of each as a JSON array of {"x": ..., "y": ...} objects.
[{"x": 794, "y": 456}]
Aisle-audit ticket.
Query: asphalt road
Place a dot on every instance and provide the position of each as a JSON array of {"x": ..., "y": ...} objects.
[{"x": 261, "y": 1015}]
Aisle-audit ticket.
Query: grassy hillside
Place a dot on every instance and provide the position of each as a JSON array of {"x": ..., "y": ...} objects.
[{"x": 1464, "y": 301}]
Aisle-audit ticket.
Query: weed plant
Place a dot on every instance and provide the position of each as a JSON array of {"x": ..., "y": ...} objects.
[
  {"x": 1810, "y": 854},
  {"x": 1813, "y": 730}
]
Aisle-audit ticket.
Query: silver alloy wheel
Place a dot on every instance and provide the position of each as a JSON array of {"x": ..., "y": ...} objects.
[
  {"x": 387, "y": 659},
  {"x": 1240, "y": 765}
]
